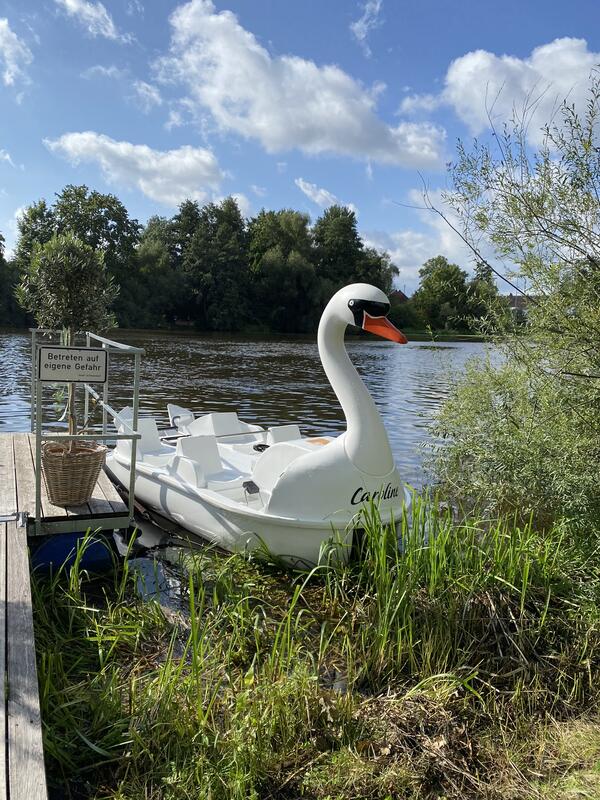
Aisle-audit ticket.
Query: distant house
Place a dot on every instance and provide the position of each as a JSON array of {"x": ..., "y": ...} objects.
[
  {"x": 397, "y": 297},
  {"x": 519, "y": 306},
  {"x": 518, "y": 302}
]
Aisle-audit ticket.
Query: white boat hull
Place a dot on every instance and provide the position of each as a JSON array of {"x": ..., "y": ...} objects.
[{"x": 206, "y": 514}]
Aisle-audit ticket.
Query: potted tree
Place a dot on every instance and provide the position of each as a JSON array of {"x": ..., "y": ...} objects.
[{"x": 66, "y": 287}]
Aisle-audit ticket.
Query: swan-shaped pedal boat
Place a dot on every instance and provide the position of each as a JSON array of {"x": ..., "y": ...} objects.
[{"x": 246, "y": 488}]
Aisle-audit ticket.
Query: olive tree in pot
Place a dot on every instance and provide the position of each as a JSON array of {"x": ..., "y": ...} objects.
[{"x": 66, "y": 287}]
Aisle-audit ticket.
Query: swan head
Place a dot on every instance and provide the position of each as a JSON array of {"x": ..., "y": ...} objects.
[{"x": 366, "y": 307}]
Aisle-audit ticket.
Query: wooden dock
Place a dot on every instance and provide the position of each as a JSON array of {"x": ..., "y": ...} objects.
[
  {"x": 104, "y": 510},
  {"x": 22, "y": 774}
]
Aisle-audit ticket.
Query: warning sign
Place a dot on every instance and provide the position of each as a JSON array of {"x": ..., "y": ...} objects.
[{"x": 72, "y": 364}]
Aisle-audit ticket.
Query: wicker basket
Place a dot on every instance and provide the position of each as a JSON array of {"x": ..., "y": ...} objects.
[{"x": 70, "y": 475}]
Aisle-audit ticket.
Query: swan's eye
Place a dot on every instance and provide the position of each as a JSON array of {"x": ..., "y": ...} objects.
[{"x": 372, "y": 307}]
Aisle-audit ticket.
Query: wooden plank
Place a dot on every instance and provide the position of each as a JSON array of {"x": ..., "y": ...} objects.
[
  {"x": 26, "y": 774},
  {"x": 3, "y": 754},
  {"x": 48, "y": 509},
  {"x": 24, "y": 474},
  {"x": 8, "y": 493},
  {"x": 113, "y": 497},
  {"x": 101, "y": 494},
  {"x": 98, "y": 504}
]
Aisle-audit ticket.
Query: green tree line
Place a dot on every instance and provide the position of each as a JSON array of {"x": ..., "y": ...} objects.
[
  {"x": 210, "y": 268},
  {"x": 206, "y": 266},
  {"x": 448, "y": 300}
]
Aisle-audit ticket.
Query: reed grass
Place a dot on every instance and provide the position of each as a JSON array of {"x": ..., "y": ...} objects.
[{"x": 425, "y": 667}]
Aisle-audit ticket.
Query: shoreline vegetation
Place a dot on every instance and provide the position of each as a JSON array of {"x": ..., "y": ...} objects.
[
  {"x": 415, "y": 336},
  {"x": 464, "y": 663},
  {"x": 208, "y": 268}
]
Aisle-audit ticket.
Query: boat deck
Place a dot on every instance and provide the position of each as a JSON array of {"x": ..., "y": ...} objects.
[{"x": 22, "y": 774}]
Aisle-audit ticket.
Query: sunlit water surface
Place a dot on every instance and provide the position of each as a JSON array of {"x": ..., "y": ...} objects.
[{"x": 266, "y": 380}]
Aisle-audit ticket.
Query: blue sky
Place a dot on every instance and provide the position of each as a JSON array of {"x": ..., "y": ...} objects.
[{"x": 280, "y": 104}]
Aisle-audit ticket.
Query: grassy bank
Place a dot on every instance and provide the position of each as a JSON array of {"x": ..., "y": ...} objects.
[{"x": 467, "y": 666}]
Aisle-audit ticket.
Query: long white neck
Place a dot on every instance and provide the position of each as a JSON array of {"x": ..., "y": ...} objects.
[{"x": 366, "y": 442}]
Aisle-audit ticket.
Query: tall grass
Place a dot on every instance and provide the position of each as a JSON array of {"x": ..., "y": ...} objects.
[{"x": 406, "y": 672}]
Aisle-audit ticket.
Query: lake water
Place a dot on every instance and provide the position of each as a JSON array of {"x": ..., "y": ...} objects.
[{"x": 266, "y": 380}]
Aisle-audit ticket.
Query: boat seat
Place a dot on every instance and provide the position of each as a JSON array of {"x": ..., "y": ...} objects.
[
  {"x": 202, "y": 450},
  {"x": 197, "y": 461},
  {"x": 273, "y": 462},
  {"x": 150, "y": 441},
  {"x": 156, "y": 459},
  {"x": 149, "y": 446},
  {"x": 124, "y": 417},
  {"x": 226, "y": 422},
  {"x": 180, "y": 417},
  {"x": 226, "y": 479},
  {"x": 146, "y": 426},
  {"x": 283, "y": 433},
  {"x": 219, "y": 423}
]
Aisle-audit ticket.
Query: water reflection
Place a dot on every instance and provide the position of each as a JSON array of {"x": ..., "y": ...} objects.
[{"x": 268, "y": 381}]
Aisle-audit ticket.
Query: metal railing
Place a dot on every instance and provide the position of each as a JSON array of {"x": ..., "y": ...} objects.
[{"x": 129, "y": 427}]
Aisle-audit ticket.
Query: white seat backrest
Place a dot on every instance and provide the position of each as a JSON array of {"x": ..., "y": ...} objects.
[
  {"x": 202, "y": 450},
  {"x": 225, "y": 422},
  {"x": 283, "y": 433},
  {"x": 150, "y": 441},
  {"x": 179, "y": 417},
  {"x": 125, "y": 415},
  {"x": 219, "y": 423},
  {"x": 272, "y": 463}
]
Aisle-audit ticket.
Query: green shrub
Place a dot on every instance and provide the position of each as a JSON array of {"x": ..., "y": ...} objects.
[
  {"x": 526, "y": 436},
  {"x": 511, "y": 441}
]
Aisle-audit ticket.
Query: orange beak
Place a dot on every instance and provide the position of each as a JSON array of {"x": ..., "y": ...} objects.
[{"x": 381, "y": 326}]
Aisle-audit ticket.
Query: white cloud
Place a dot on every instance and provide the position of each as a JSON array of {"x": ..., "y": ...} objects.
[
  {"x": 322, "y": 197},
  {"x": 167, "y": 176},
  {"x": 410, "y": 248},
  {"x": 366, "y": 23},
  {"x": 98, "y": 70},
  {"x": 259, "y": 191},
  {"x": 17, "y": 214},
  {"x": 420, "y": 102},
  {"x": 175, "y": 120},
  {"x": 319, "y": 196},
  {"x": 146, "y": 96},
  {"x": 12, "y": 231},
  {"x": 481, "y": 84},
  {"x": 5, "y": 156},
  {"x": 94, "y": 17},
  {"x": 244, "y": 203},
  {"x": 134, "y": 7},
  {"x": 15, "y": 56},
  {"x": 284, "y": 102},
  {"x": 552, "y": 72}
]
